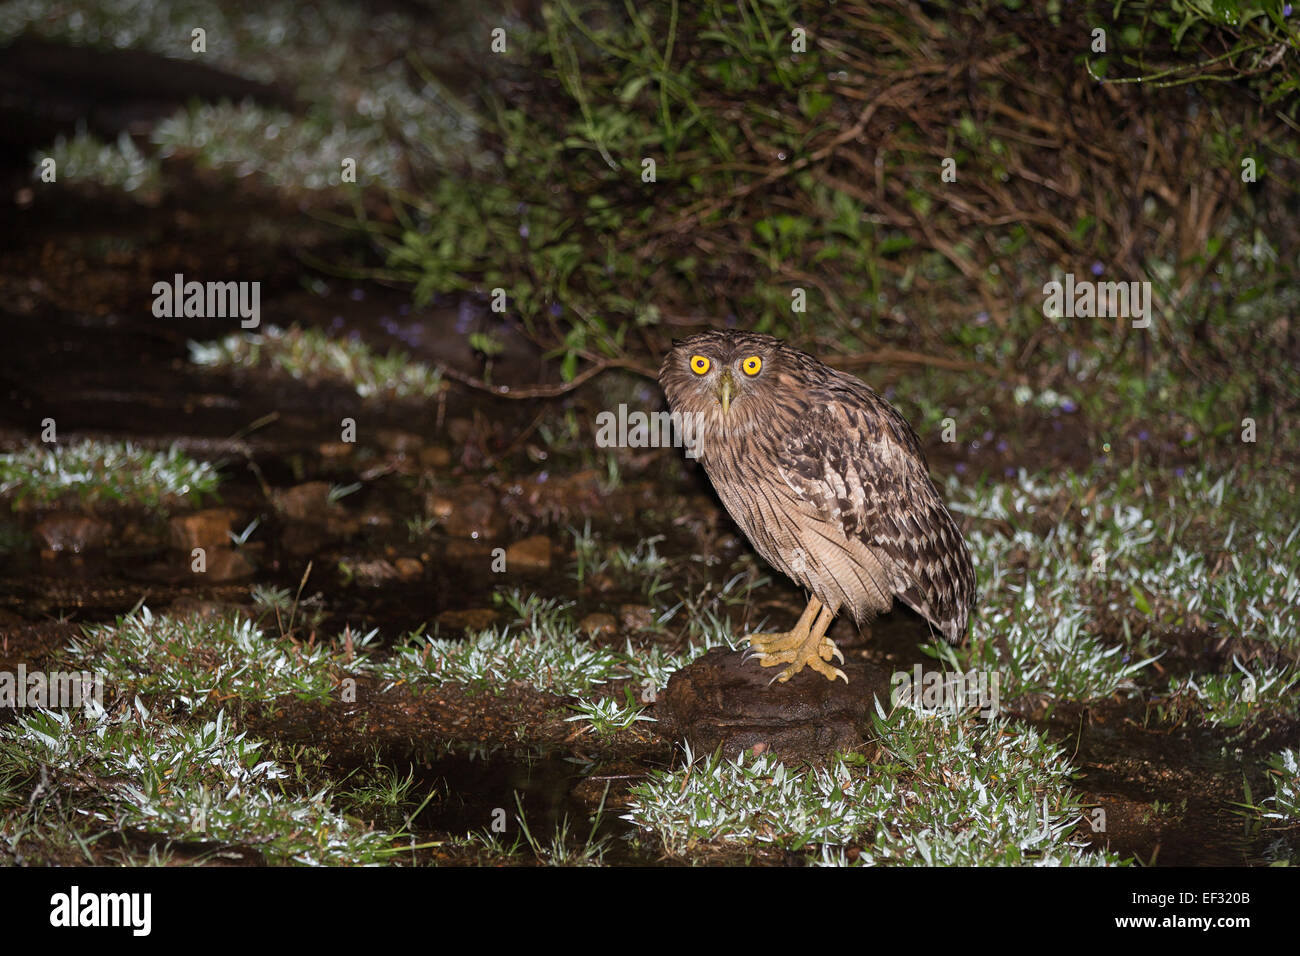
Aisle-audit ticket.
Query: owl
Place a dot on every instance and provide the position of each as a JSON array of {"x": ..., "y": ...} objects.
[{"x": 829, "y": 484}]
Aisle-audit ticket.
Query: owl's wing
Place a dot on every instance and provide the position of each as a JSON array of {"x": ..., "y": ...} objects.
[{"x": 860, "y": 468}]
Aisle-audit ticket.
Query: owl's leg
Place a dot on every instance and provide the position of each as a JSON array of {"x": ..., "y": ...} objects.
[{"x": 805, "y": 646}]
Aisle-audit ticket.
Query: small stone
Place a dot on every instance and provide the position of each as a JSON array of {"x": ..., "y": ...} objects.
[
  {"x": 335, "y": 450},
  {"x": 408, "y": 569},
  {"x": 434, "y": 456},
  {"x": 597, "y": 624},
  {"x": 636, "y": 617},
  {"x": 373, "y": 573},
  {"x": 209, "y": 528},
  {"x": 530, "y": 554},
  {"x": 303, "y": 502},
  {"x": 459, "y": 430},
  {"x": 226, "y": 564},
  {"x": 718, "y": 700},
  {"x": 474, "y": 619},
  {"x": 72, "y": 532},
  {"x": 466, "y": 512}
]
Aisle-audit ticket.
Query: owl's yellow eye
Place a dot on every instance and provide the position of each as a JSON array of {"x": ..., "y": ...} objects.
[
  {"x": 752, "y": 365},
  {"x": 699, "y": 364}
]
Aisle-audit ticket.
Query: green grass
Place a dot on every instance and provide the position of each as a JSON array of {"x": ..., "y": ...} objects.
[
  {"x": 360, "y": 101},
  {"x": 542, "y": 648},
  {"x": 204, "y": 786},
  {"x": 641, "y": 568},
  {"x": 194, "y": 660},
  {"x": 85, "y": 158},
  {"x": 944, "y": 792},
  {"x": 311, "y": 356},
  {"x": 606, "y": 717},
  {"x": 1084, "y": 578},
  {"x": 287, "y": 152},
  {"x": 97, "y": 473},
  {"x": 1284, "y": 804}
]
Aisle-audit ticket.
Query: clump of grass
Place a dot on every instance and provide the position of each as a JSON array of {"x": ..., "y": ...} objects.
[
  {"x": 948, "y": 791},
  {"x": 190, "y": 660},
  {"x": 1078, "y": 589},
  {"x": 641, "y": 567},
  {"x": 606, "y": 717},
  {"x": 286, "y": 151},
  {"x": 92, "y": 473},
  {"x": 1284, "y": 770},
  {"x": 382, "y": 793},
  {"x": 1229, "y": 700},
  {"x": 85, "y": 158},
  {"x": 206, "y": 784},
  {"x": 542, "y": 648},
  {"x": 562, "y": 849},
  {"x": 310, "y": 355}
]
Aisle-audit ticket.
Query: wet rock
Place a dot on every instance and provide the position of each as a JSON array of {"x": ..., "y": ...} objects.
[
  {"x": 636, "y": 617},
  {"x": 602, "y": 582},
  {"x": 209, "y": 528},
  {"x": 473, "y": 619},
  {"x": 717, "y": 700},
  {"x": 598, "y": 624},
  {"x": 459, "y": 430},
  {"x": 72, "y": 532},
  {"x": 336, "y": 450},
  {"x": 466, "y": 512},
  {"x": 303, "y": 502},
  {"x": 227, "y": 564},
  {"x": 434, "y": 456},
  {"x": 377, "y": 572},
  {"x": 408, "y": 569},
  {"x": 530, "y": 554}
]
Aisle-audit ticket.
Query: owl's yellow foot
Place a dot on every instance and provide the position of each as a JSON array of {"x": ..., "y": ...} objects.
[{"x": 805, "y": 646}]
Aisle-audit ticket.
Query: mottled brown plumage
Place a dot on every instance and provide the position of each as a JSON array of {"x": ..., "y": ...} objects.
[{"x": 828, "y": 482}]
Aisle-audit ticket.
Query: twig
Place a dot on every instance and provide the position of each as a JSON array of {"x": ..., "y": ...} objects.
[{"x": 547, "y": 391}]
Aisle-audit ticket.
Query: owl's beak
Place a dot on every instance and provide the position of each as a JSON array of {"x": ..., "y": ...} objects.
[{"x": 726, "y": 388}]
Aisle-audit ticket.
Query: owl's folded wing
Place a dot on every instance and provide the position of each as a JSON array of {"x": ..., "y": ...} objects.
[{"x": 861, "y": 469}]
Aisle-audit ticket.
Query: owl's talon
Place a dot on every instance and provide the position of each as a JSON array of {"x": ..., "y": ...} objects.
[{"x": 827, "y": 650}]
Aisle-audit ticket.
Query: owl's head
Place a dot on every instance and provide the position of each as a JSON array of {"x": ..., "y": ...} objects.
[{"x": 729, "y": 378}]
